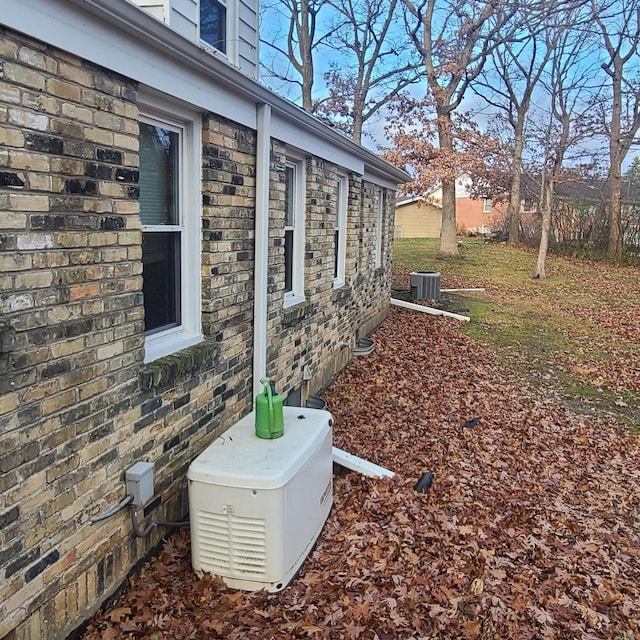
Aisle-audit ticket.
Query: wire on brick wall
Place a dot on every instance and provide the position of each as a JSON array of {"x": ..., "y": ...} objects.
[
  {"x": 143, "y": 533},
  {"x": 113, "y": 510}
]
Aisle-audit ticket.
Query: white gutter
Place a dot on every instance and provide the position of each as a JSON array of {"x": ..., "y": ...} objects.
[
  {"x": 360, "y": 465},
  {"x": 475, "y": 289},
  {"x": 261, "y": 256},
  {"x": 430, "y": 310}
]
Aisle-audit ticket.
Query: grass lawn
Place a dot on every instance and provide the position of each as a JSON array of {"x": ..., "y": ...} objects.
[{"x": 575, "y": 335}]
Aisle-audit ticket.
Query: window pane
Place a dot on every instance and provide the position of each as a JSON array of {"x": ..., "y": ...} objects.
[
  {"x": 336, "y": 255},
  {"x": 161, "y": 280},
  {"x": 158, "y": 175},
  {"x": 213, "y": 24},
  {"x": 288, "y": 260},
  {"x": 289, "y": 186}
]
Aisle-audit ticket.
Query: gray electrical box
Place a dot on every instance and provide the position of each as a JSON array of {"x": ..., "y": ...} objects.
[{"x": 139, "y": 479}]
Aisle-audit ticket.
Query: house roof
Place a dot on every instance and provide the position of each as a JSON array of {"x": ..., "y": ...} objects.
[
  {"x": 403, "y": 200},
  {"x": 585, "y": 190},
  {"x": 41, "y": 20}
]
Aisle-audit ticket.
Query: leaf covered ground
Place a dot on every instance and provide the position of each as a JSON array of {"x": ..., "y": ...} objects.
[
  {"x": 530, "y": 528},
  {"x": 574, "y": 336}
]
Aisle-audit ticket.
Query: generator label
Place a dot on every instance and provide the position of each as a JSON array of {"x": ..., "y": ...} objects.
[{"x": 326, "y": 493}]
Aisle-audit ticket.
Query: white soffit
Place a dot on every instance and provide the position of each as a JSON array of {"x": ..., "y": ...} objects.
[
  {"x": 62, "y": 24},
  {"x": 301, "y": 137}
]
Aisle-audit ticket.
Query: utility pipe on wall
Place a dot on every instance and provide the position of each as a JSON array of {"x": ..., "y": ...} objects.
[{"x": 263, "y": 156}]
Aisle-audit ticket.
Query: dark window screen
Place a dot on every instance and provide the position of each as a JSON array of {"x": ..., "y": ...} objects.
[
  {"x": 288, "y": 260},
  {"x": 161, "y": 281},
  {"x": 159, "y": 153}
]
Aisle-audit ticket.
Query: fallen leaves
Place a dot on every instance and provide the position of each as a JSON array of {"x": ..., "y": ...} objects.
[{"x": 530, "y": 528}]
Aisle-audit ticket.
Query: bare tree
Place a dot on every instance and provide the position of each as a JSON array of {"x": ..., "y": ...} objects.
[
  {"x": 378, "y": 65},
  {"x": 618, "y": 22},
  {"x": 293, "y": 40},
  {"x": 518, "y": 66},
  {"x": 570, "y": 122}
]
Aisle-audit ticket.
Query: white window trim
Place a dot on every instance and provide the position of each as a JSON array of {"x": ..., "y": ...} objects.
[
  {"x": 342, "y": 202},
  {"x": 174, "y": 116},
  {"x": 378, "y": 230},
  {"x": 296, "y": 295},
  {"x": 485, "y": 208},
  {"x": 232, "y": 33}
]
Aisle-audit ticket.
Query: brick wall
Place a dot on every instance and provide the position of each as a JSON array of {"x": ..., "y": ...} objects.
[
  {"x": 321, "y": 332},
  {"x": 78, "y": 405},
  {"x": 70, "y": 296}
]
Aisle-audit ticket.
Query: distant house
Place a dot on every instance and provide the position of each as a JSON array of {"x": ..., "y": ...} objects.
[
  {"x": 575, "y": 209},
  {"x": 417, "y": 218},
  {"x": 170, "y": 232},
  {"x": 421, "y": 217},
  {"x": 473, "y": 215}
]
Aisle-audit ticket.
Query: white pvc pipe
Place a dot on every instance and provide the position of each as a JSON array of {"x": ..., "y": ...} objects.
[
  {"x": 452, "y": 290},
  {"x": 263, "y": 156},
  {"x": 360, "y": 465},
  {"x": 430, "y": 310}
]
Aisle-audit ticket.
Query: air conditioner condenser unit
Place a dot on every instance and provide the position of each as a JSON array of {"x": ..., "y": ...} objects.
[{"x": 257, "y": 506}]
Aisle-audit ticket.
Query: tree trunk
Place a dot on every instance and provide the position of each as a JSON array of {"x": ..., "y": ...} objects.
[
  {"x": 513, "y": 210},
  {"x": 614, "y": 243},
  {"x": 614, "y": 181},
  {"x": 448, "y": 238},
  {"x": 540, "y": 271},
  {"x": 306, "y": 53},
  {"x": 358, "y": 111}
]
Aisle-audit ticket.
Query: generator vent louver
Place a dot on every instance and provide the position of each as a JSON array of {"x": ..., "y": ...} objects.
[{"x": 232, "y": 543}]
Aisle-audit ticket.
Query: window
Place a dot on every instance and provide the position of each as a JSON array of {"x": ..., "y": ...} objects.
[
  {"x": 169, "y": 196},
  {"x": 340, "y": 233},
  {"x": 294, "y": 181},
  {"x": 486, "y": 208},
  {"x": 379, "y": 222},
  {"x": 213, "y": 24},
  {"x": 527, "y": 205}
]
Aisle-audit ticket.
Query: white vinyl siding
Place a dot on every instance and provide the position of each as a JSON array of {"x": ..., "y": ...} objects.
[{"x": 247, "y": 42}]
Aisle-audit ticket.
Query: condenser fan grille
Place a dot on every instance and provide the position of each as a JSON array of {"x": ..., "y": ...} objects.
[{"x": 229, "y": 543}]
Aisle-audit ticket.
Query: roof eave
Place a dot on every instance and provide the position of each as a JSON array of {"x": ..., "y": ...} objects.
[{"x": 131, "y": 19}]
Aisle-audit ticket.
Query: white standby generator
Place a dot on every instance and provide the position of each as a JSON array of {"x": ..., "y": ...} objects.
[{"x": 257, "y": 506}]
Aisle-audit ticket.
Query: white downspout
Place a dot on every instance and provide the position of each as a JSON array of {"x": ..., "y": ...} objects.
[
  {"x": 431, "y": 310},
  {"x": 263, "y": 157}
]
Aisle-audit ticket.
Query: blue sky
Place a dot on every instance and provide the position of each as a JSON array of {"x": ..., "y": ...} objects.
[{"x": 273, "y": 29}]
